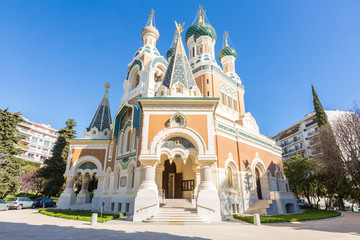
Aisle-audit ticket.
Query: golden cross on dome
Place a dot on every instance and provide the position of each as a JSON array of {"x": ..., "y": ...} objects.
[
  {"x": 107, "y": 86},
  {"x": 179, "y": 29},
  {"x": 226, "y": 33},
  {"x": 201, "y": 13},
  {"x": 151, "y": 16}
]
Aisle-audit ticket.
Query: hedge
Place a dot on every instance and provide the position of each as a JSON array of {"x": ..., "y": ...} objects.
[
  {"x": 306, "y": 216},
  {"x": 81, "y": 215}
]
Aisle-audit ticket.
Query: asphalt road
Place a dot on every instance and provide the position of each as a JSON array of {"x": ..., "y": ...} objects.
[{"x": 29, "y": 224}]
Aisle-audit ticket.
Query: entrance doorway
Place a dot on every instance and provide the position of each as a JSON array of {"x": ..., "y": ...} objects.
[
  {"x": 171, "y": 182},
  {"x": 258, "y": 184}
]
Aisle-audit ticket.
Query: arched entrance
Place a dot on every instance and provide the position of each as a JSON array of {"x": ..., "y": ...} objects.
[
  {"x": 171, "y": 183},
  {"x": 258, "y": 183}
]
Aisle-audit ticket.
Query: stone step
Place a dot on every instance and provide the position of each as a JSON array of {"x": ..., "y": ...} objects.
[{"x": 259, "y": 206}]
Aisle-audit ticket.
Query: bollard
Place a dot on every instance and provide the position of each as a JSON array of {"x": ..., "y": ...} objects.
[
  {"x": 94, "y": 217},
  {"x": 257, "y": 220}
]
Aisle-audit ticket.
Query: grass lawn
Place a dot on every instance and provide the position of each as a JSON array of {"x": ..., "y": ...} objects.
[
  {"x": 78, "y": 215},
  {"x": 312, "y": 214}
]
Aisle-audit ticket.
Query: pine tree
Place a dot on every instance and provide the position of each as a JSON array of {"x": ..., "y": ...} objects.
[
  {"x": 55, "y": 166},
  {"x": 319, "y": 110},
  {"x": 10, "y": 166}
]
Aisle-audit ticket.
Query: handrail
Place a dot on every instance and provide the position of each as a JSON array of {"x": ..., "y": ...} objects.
[
  {"x": 210, "y": 209},
  {"x": 146, "y": 207}
]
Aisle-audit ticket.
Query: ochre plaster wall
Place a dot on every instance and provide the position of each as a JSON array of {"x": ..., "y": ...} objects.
[{"x": 78, "y": 153}]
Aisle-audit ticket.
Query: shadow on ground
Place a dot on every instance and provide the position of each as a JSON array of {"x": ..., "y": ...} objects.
[
  {"x": 27, "y": 231},
  {"x": 349, "y": 223}
]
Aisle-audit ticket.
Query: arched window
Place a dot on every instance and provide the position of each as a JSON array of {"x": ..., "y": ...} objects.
[
  {"x": 229, "y": 102},
  {"x": 128, "y": 141},
  {"x": 235, "y": 107},
  {"x": 223, "y": 98},
  {"x": 229, "y": 177},
  {"x": 133, "y": 139},
  {"x": 117, "y": 179},
  {"x": 137, "y": 80},
  {"x": 133, "y": 178},
  {"x": 193, "y": 52}
]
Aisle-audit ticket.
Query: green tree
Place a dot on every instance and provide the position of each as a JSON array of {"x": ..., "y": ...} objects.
[
  {"x": 304, "y": 177},
  {"x": 10, "y": 166},
  {"x": 319, "y": 110},
  {"x": 55, "y": 166}
]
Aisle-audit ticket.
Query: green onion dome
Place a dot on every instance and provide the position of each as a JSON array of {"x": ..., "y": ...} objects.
[
  {"x": 170, "y": 52},
  {"x": 205, "y": 29},
  {"x": 191, "y": 30},
  {"x": 227, "y": 51}
]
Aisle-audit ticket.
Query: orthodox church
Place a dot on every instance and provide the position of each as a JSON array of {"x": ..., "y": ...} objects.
[{"x": 181, "y": 146}]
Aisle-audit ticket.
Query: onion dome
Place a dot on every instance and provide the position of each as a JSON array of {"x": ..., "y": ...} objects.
[
  {"x": 191, "y": 30},
  {"x": 205, "y": 29},
  {"x": 170, "y": 52},
  {"x": 227, "y": 51},
  {"x": 150, "y": 29}
]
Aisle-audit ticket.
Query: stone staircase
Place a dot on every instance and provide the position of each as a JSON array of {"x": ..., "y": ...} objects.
[
  {"x": 176, "y": 210},
  {"x": 259, "y": 206}
]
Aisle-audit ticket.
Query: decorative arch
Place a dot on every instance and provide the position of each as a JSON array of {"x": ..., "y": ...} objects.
[
  {"x": 75, "y": 167},
  {"x": 136, "y": 62},
  {"x": 174, "y": 116},
  {"x": 222, "y": 88},
  {"x": 257, "y": 162},
  {"x": 185, "y": 132}
]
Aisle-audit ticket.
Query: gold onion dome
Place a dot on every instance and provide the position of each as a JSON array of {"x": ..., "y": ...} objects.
[{"x": 150, "y": 30}]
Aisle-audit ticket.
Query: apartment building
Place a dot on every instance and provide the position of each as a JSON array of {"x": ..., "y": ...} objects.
[
  {"x": 39, "y": 140},
  {"x": 300, "y": 138}
]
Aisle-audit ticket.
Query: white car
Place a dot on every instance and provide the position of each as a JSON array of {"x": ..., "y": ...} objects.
[
  {"x": 19, "y": 202},
  {"x": 3, "y": 205}
]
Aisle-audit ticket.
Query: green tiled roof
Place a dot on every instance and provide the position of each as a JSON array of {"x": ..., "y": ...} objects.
[
  {"x": 170, "y": 52},
  {"x": 191, "y": 30},
  {"x": 204, "y": 30},
  {"x": 102, "y": 117},
  {"x": 227, "y": 51}
]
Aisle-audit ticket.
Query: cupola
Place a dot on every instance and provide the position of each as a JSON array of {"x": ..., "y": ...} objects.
[
  {"x": 149, "y": 33},
  {"x": 227, "y": 56}
]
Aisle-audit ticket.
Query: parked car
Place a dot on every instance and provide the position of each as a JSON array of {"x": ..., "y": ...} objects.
[
  {"x": 43, "y": 202},
  {"x": 302, "y": 204},
  {"x": 19, "y": 202},
  {"x": 3, "y": 205}
]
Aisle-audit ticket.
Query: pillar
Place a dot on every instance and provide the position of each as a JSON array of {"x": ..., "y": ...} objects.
[
  {"x": 83, "y": 196},
  {"x": 147, "y": 198},
  {"x": 68, "y": 197},
  {"x": 158, "y": 178},
  {"x": 96, "y": 202},
  {"x": 208, "y": 201}
]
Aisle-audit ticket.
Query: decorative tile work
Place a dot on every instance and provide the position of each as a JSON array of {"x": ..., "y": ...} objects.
[
  {"x": 159, "y": 60},
  {"x": 205, "y": 30},
  {"x": 220, "y": 72},
  {"x": 102, "y": 117},
  {"x": 177, "y": 142},
  {"x": 231, "y": 130},
  {"x": 88, "y": 165},
  {"x": 135, "y": 119},
  {"x": 191, "y": 30},
  {"x": 135, "y": 62},
  {"x": 125, "y": 160}
]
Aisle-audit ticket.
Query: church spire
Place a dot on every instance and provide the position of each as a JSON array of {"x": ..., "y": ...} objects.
[
  {"x": 102, "y": 118},
  {"x": 179, "y": 68}
]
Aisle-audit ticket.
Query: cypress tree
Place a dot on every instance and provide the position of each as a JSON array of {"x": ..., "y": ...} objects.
[
  {"x": 319, "y": 110},
  {"x": 10, "y": 166},
  {"x": 55, "y": 166}
]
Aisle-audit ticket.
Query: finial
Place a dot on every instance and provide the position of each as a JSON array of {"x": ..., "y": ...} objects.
[
  {"x": 107, "y": 86},
  {"x": 201, "y": 13},
  {"x": 179, "y": 29},
  {"x": 226, "y": 33},
  {"x": 151, "y": 16}
]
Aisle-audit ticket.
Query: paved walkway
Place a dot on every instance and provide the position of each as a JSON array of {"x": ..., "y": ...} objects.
[{"x": 29, "y": 224}]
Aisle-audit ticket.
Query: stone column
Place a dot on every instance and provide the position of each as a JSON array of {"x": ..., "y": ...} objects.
[
  {"x": 68, "y": 197},
  {"x": 158, "y": 178},
  {"x": 96, "y": 202},
  {"x": 208, "y": 201},
  {"x": 147, "y": 198},
  {"x": 196, "y": 169},
  {"x": 83, "y": 196}
]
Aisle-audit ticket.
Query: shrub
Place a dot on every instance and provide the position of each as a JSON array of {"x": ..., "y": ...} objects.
[
  {"x": 81, "y": 215},
  {"x": 306, "y": 216}
]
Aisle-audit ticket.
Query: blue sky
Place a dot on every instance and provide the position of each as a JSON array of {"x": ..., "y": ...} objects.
[{"x": 55, "y": 56}]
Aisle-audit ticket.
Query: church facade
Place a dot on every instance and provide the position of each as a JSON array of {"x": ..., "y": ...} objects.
[{"x": 181, "y": 132}]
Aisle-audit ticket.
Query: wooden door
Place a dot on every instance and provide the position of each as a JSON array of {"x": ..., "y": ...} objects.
[
  {"x": 178, "y": 185},
  {"x": 258, "y": 184}
]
